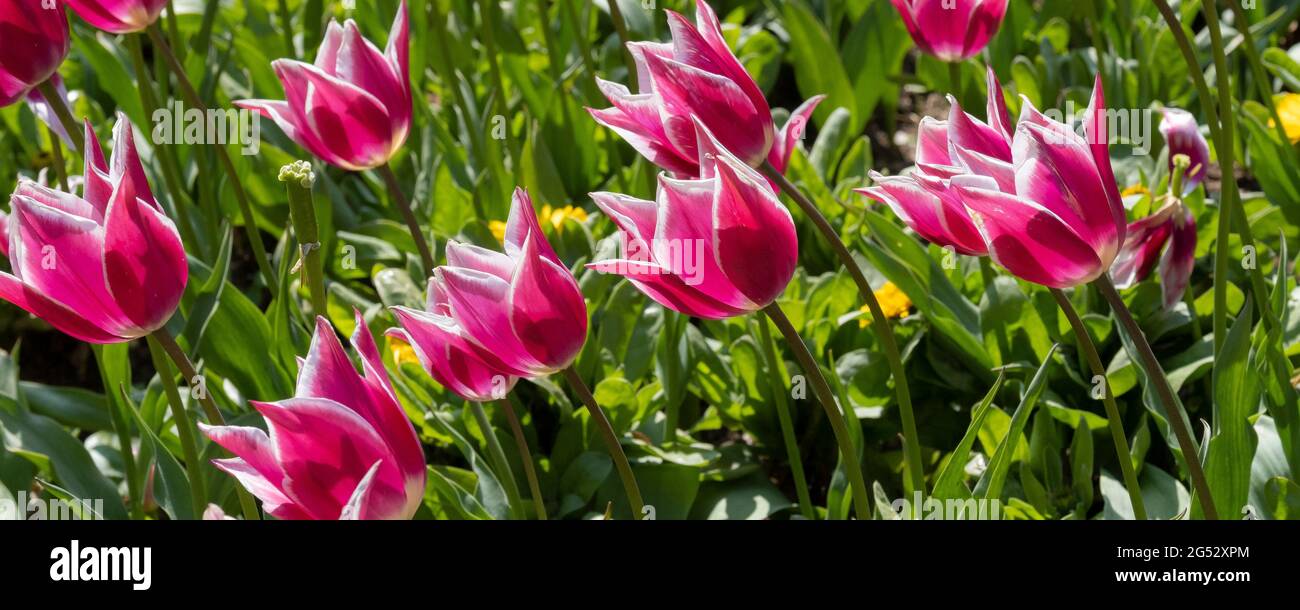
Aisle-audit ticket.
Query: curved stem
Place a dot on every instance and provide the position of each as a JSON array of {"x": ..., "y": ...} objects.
[
  {"x": 827, "y": 399},
  {"x": 526, "y": 456},
  {"x": 787, "y": 423},
  {"x": 1227, "y": 158},
  {"x": 185, "y": 428},
  {"x": 223, "y": 156},
  {"x": 188, "y": 372},
  {"x": 884, "y": 333},
  {"x": 1112, "y": 410},
  {"x": 990, "y": 288},
  {"x": 404, "y": 207},
  {"x": 61, "y": 112},
  {"x": 620, "y": 28},
  {"x": 1156, "y": 376},
  {"x": 611, "y": 442},
  {"x": 502, "y": 465}
]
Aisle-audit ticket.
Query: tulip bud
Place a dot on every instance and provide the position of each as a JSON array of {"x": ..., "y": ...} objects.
[
  {"x": 358, "y": 112},
  {"x": 35, "y": 44},
  {"x": 106, "y": 267},
  {"x": 119, "y": 16},
  {"x": 952, "y": 30},
  {"x": 1183, "y": 136},
  {"x": 341, "y": 448}
]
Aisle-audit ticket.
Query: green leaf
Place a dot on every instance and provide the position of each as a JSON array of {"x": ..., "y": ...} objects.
[
  {"x": 1236, "y": 398},
  {"x": 948, "y": 483},
  {"x": 991, "y": 483},
  {"x": 817, "y": 66}
]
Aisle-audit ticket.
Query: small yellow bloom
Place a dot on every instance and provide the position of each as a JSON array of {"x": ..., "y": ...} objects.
[
  {"x": 1288, "y": 109},
  {"x": 557, "y": 216},
  {"x": 1136, "y": 189},
  {"x": 893, "y": 303},
  {"x": 498, "y": 230},
  {"x": 402, "y": 352}
]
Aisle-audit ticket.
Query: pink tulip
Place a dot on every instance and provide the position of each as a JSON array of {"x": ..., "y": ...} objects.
[
  {"x": 1063, "y": 223},
  {"x": 352, "y": 108},
  {"x": 697, "y": 74},
  {"x": 341, "y": 448},
  {"x": 520, "y": 312},
  {"x": 1183, "y": 136},
  {"x": 35, "y": 44},
  {"x": 446, "y": 352},
  {"x": 952, "y": 30},
  {"x": 925, "y": 199},
  {"x": 714, "y": 247},
  {"x": 1174, "y": 225},
  {"x": 119, "y": 16},
  {"x": 105, "y": 267}
]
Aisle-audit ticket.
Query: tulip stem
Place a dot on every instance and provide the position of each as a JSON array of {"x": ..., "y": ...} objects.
[
  {"x": 123, "y": 435},
  {"x": 1227, "y": 159},
  {"x": 1113, "y": 417},
  {"x": 499, "y": 462},
  {"x": 620, "y": 28},
  {"x": 787, "y": 422},
  {"x": 61, "y": 111},
  {"x": 995, "y": 302},
  {"x": 852, "y": 467},
  {"x": 526, "y": 456},
  {"x": 298, "y": 179},
  {"x": 404, "y": 206},
  {"x": 223, "y": 156},
  {"x": 191, "y": 377},
  {"x": 884, "y": 333},
  {"x": 56, "y": 152},
  {"x": 185, "y": 428},
  {"x": 1156, "y": 377},
  {"x": 611, "y": 442},
  {"x": 954, "y": 76}
]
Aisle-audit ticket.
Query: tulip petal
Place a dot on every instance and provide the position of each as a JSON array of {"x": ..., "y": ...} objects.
[
  {"x": 665, "y": 288},
  {"x": 273, "y": 500},
  {"x": 1029, "y": 240},
  {"x": 966, "y": 131},
  {"x": 932, "y": 142},
  {"x": 1179, "y": 259},
  {"x": 327, "y": 55},
  {"x": 998, "y": 116},
  {"x": 474, "y": 257},
  {"x": 54, "y": 313},
  {"x": 547, "y": 310},
  {"x": 358, "y": 505},
  {"x": 719, "y": 102},
  {"x": 685, "y": 241},
  {"x": 1096, "y": 129},
  {"x": 941, "y": 222},
  {"x": 350, "y": 123},
  {"x": 1143, "y": 242},
  {"x": 479, "y": 303},
  {"x": 362, "y": 64},
  {"x": 755, "y": 242},
  {"x": 793, "y": 132},
  {"x": 144, "y": 261},
  {"x": 387, "y": 415},
  {"x": 1059, "y": 174},
  {"x": 447, "y": 357},
  {"x": 325, "y": 449}
]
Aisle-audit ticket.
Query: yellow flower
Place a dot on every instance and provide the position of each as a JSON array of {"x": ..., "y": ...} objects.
[
  {"x": 1288, "y": 109},
  {"x": 893, "y": 303},
  {"x": 557, "y": 216},
  {"x": 1136, "y": 189},
  {"x": 402, "y": 352},
  {"x": 498, "y": 230}
]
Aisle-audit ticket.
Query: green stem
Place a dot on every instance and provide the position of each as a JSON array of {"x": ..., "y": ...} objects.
[
  {"x": 852, "y": 467},
  {"x": 241, "y": 195},
  {"x": 298, "y": 179},
  {"x": 61, "y": 111},
  {"x": 126, "y": 448},
  {"x": 611, "y": 442},
  {"x": 1227, "y": 159},
  {"x": 191, "y": 375},
  {"x": 884, "y": 333},
  {"x": 995, "y": 302},
  {"x": 56, "y": 154},
  {"x": 526, "y": 456},
  {"x": 1113, "y": 417},
  {"x": 286, "y": 26},
  {"x": 170, "y": 169},
  {"x": 787, "y": 422},
  {"x": 1156, "y": 377},
  {"x": 185, "y": 428},
  {"x": 955, "y": 81},
  {"x": 404, "y": 207},
  {"x": 620, "y": 27},
  {"x": 499, "y": 461}
]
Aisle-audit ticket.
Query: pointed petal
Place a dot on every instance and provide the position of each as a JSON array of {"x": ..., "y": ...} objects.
[
  {"x": 932, "y": 142},
  {"x": 755, "y": 241},
  {"x": 1096, "y": 129},
  {"x": 474, "y": 257},
  {"x": 1029, "y": 240},
  {"x": 143, "y": 260},
  {"x": 667, "y": 289},
  {"x": 1058, "y": 173},
  {"x": 358, "y": 505},
  {"x": 480, "y": 305},
  {"x": 1176, "y": 265},
  {"x": 56, "y": 314},
  {"x": 547, "y": 310},
  {"x": 793, "y": 132},
  {"x": 1142, "y": 245}
]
